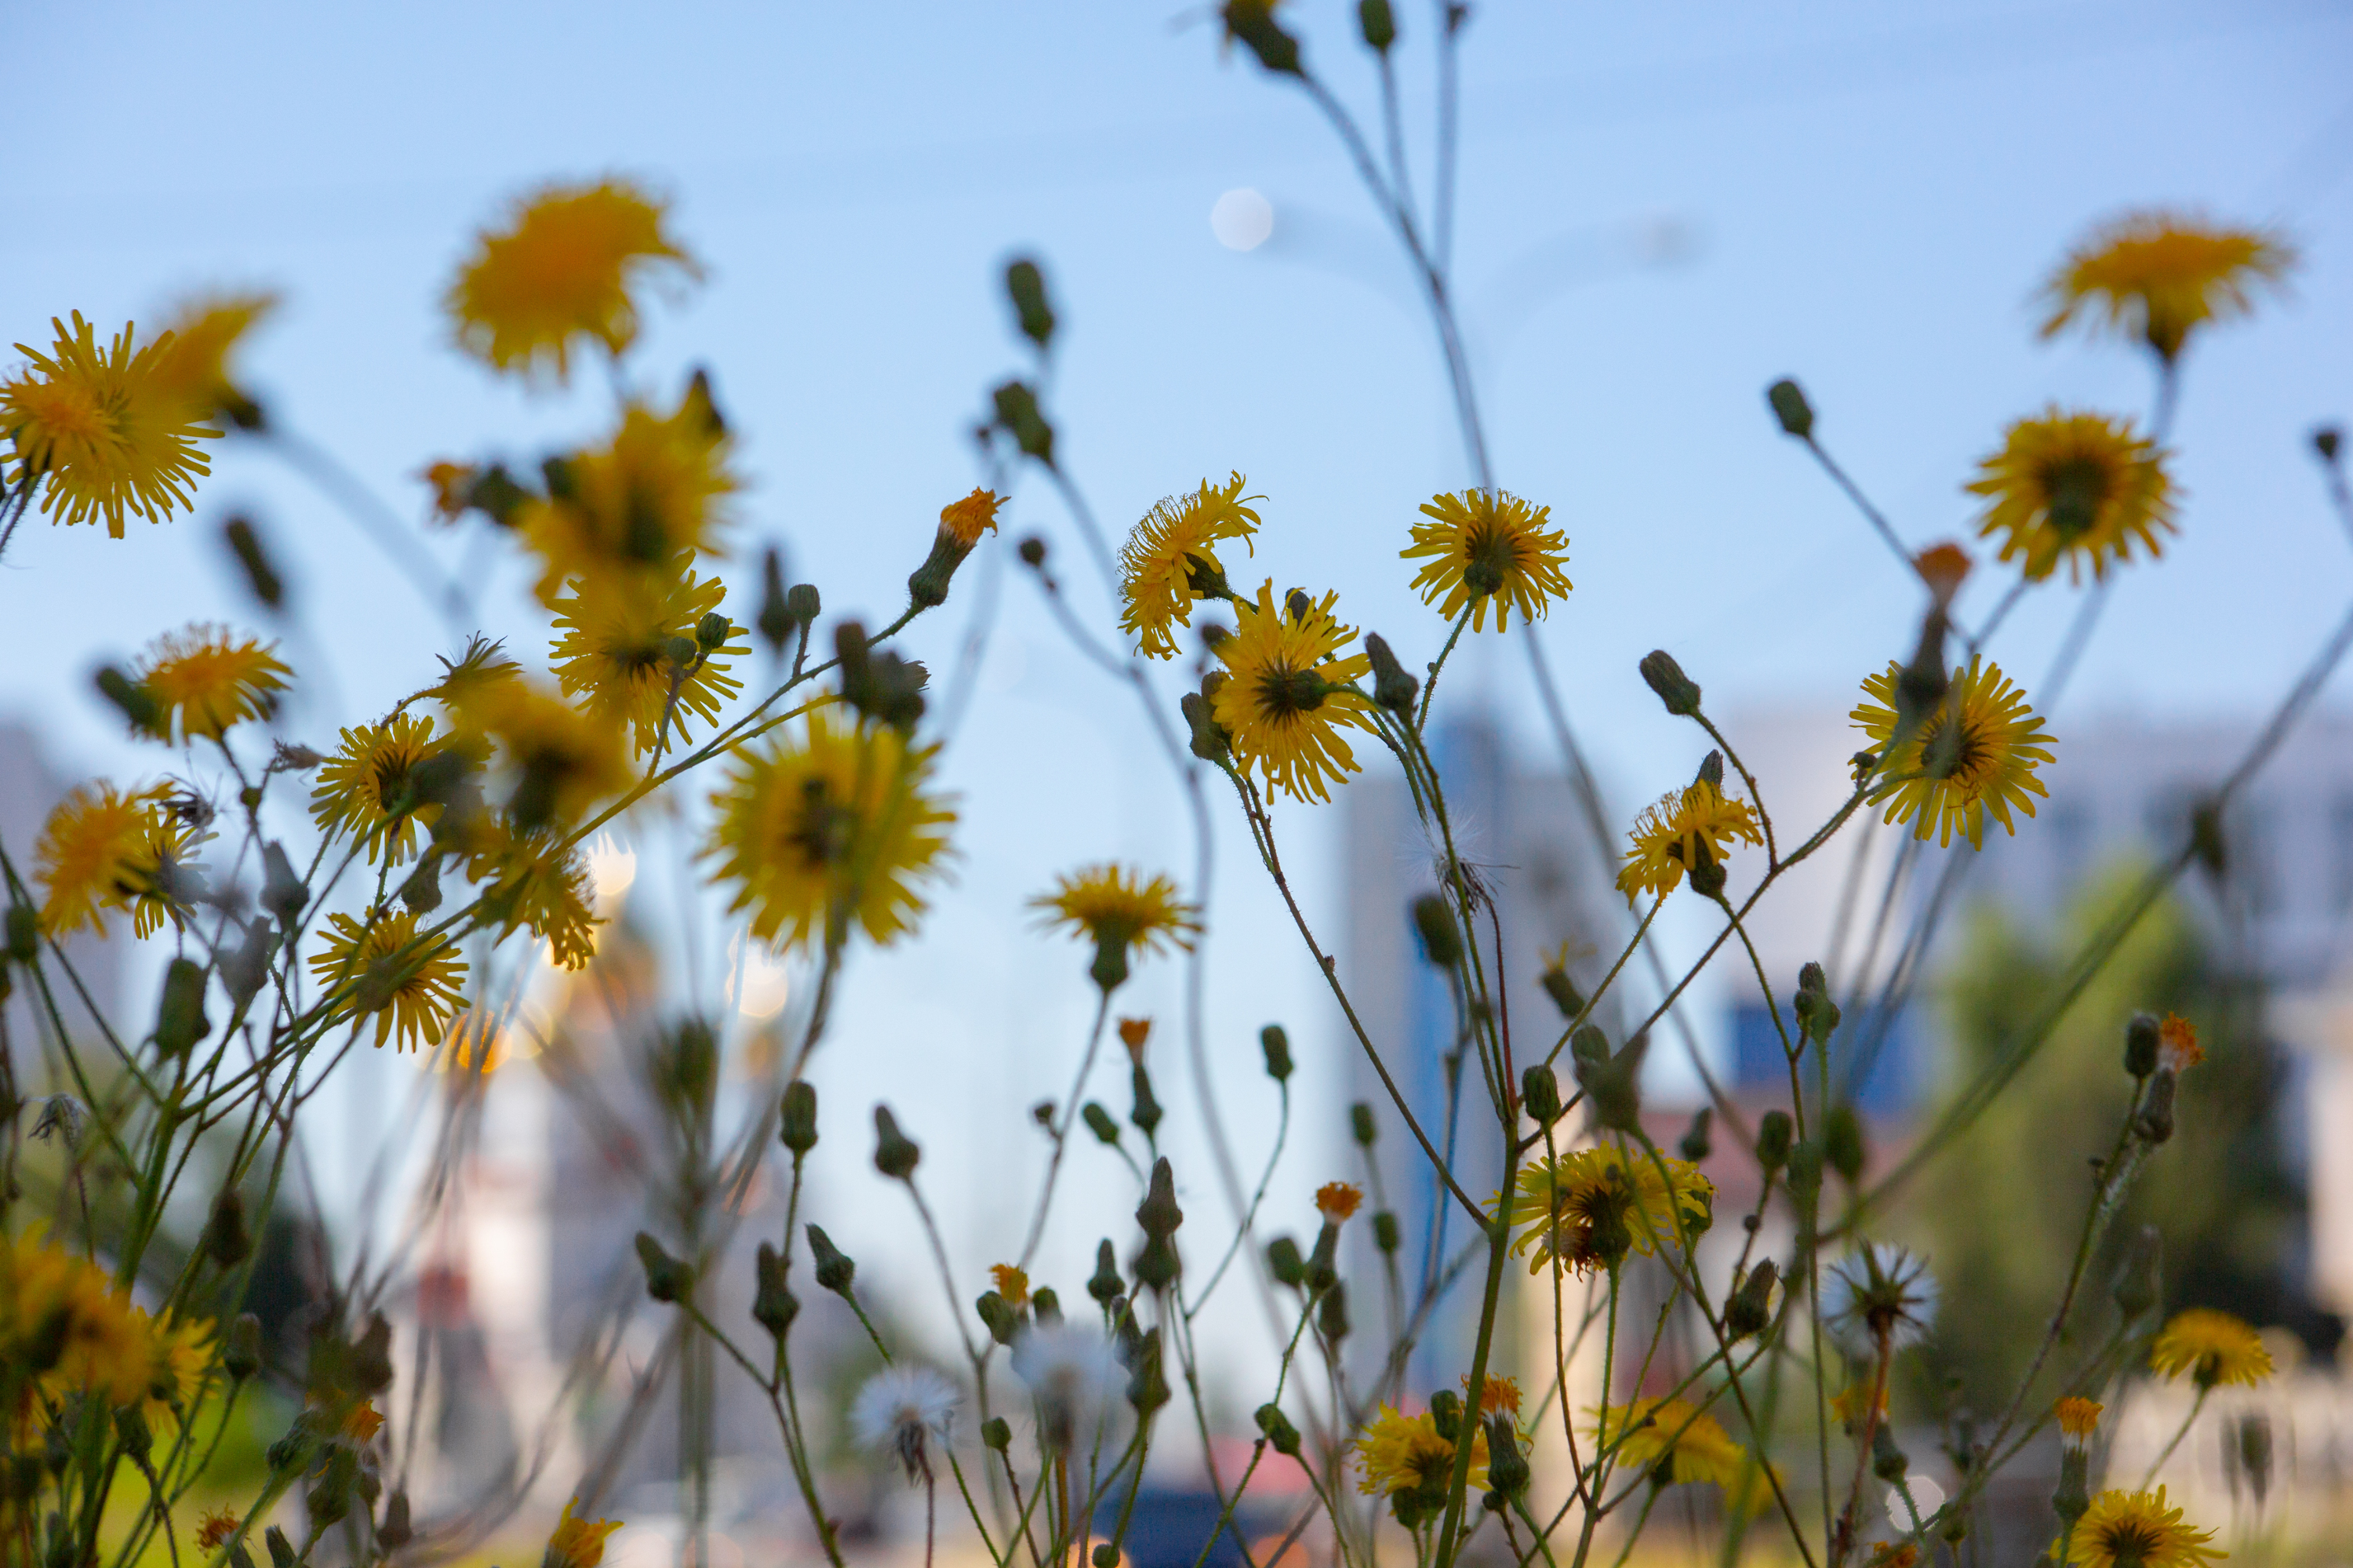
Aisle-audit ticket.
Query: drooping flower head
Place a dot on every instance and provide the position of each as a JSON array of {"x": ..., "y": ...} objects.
[
  {"x": 2075, "y": 487},
  {"x": 194, "y": 369},
  {"x": 1401, "y": 1455},
  {"x": 1170, "y": 560},
  {"x": 1683, "y": 829},
  {"x": 1115, "y": 908},
  {"x": 1335, "y": 1200},
  {"x": 204, "y": 679},
  {"x": 838, "y": 827},
  {"x": 1879, "y": 1294},
  {"x": 563, "y": 268},
  {"x": 1588, "y": 1208},
  {"x": 366, "y": 789},
  {"x": 648, "y": 503},
  {"x": 1986, "y": 765},
  {"x": 2135, "y": 1530},
  {"x": 902, "y": 1410},
  {"x": 98, "y": 430},
  {"x": 558, "y": 760},
  {"x": 1487, "y": 545},
  {"x": 577, "y": 1543},
  {"x": 382, "y": 969},
  {"x": 1285, "y": 698},
  {"x": 2212, "y": 1347},
  {"x": 2158, "y": 276},
  {"x": 629, "y": 646},
  {"x": 2078, "y": 1418},
  {"x": 1673, "y": 1439},
  {"x": 108, "y": 849}
]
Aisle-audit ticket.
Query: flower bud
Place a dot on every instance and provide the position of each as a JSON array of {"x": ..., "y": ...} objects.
[
  {"x": 1384, "y": 1230},
  {"x": 1435, "y": 922},
  {"x": 282, "y": 892},
  {"x": 1332, "y": 1315},
  {"x": 241, "y": 1350},
  {"x": 1158, "y": 1213},
  {"x": 1678, "y": 690},
  {"x": 1278, "y": 1429},
  {"x": 1106, "y": 1284},
  {"x": 1696, "y": 1146},
  {"x": 1018, "y": 415},
  {"x": 180, "y": 1019},
  {"x": 2073, "y": 1498},
  {"x": 1273, "y": 1040},
  {"x": 1284, "y": 1262},
  {"x": 130, "y": 1430},
  {"x": 1446, "y": 1414},
  {"x": 24, "y": 933},
  {"x": 2326, "y": 440},
  {"x": 1507, "y": 1466},
  {"x": 1392, "y": 688},
  {"x": 1805, "y": 1170},
  {"x": 2156, "y": 1123},
  {"x": 1209, "y": 743},
  {"x": 2142, "y": 1037},
  {"x": 1147, "y": 1386},
  {"x": 1842, "y": 1142},
  {"x": 895, "y": 1154},
  {"x": 1751, "y": 1306},
  {"x": 133, "y": 701},
  {"x": 1098, "y": 1122},
  {"x": 1025, "y": 285},
  {"x": 281, "y": 1551},
  {"x": 1361, "y": 1126},
  {"x": 775, "y": 620},
  {"x": 1146, "y": 1113},
  {"x": 1613, "y": 1089},
  {"x": 395, "y": 1531},
  {"x": 1789, "y": 406},
  {"x": 1032, "y": 552},
  {"x": 1563, "y": 991},
  {"x": 667, "y": 1278},
  {"x": 996, "y": 1433},
  {"x": 797, "y": 1117},
  {"x": 773, "y": 1306},
  {"x": 1003, "y": 1320},
  {"x": 1888, "y": 1462},
  {"x": 2255, "y": 1453},
  {"x": 227, "y": 1241},
  {"x": 1377, "y": 24},
  {"x": 712, "y": 632},
  {"x": 1045, "y": 1306},
  {"x": 1106, "y": 1555},
  {"x": 1773, "y": 1132},
  {"x": 1252, "y": 22},
  {"x": 1589, "y": 1044},
  {"x": 835, "y": 1269},
  {"x": 1540, "y": 1093},
  {"x": 261, "y": 577},
  {"x": 2136, "y": 1288},
  {"x": 329, "y": 1497},
  {"x": 1323, "y": 1262}
]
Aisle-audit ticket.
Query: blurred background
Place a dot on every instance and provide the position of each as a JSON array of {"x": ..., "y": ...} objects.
[{"x": 1662, "y": 209}]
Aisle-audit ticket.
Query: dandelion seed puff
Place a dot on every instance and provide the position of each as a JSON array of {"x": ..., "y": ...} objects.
[
  {"x": 901, "y": 1411},
  {"x": 1880, "y": 1292},
  {"x": 1071, "y": 1373}
]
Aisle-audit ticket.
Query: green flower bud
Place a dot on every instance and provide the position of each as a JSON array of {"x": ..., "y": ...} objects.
[
  {"x": 2073, "y": 1498},
  {"x": 712, "y": 632},
  {"x": 1678, "y": 690},
  {"x": 1146, "y": 1114},
  {"x": 1446, "y": 1414},
  {"x": 1003, "y": 1320},
  {"x": 895, "y": 1154},
  {"x": 1106, "y": 1284},
  {"x": 1332, "y": 1314},
  {"x": 1252, "y": 23},
  {"x": 1100, "y": 1123},
  {"x": 131, "y": 1432},
  {"x": 260, "y": 576},
  {"x": 371, "y": 1363},
  {"x": 2142, "y": 1038},
  {"x": 1209, "y": 743},
  {"x": 241, "y": 1351},
  {"x": 2255, "y": 1453},
  {"x": 1284, "y": 1262},
  {"x": 834, "y": 1268},
  {"x": 1158, "y": 1213},
  {"x": 1323, "y": 1262},
  {"x": 1277, "y": 1428},
  {"x": 996, "y": 1433},
  {"x": 776, "y": 619},
  {"x": 1104, "y": 1555},
  {"x": 1033, "y": 552},
  {"x": 1441, "y": 944},
  {"x": 395, "y": 1531},
  {"x": 180, "y": 1019},
  {"x": 1360, "y": 1125},
  {"x": 1273, "y": 1040},
  {"x": 1540, "y": 1093},
  {"x": 1790, "y": 408},
  {"x": 132, "y": 700},
  {"x": 1751, "y": 1306},
  {"x": 1842, "y": 1142},
  {"x": 1888, "y": 1462},
  {"x": 1696, "y": 1145},
  {"x": 1045, "y": 1307},
  {"x": 1377, "y": 24},
  {"x": 1392, "y": 688},
  {"x": 2156, "y": 1123},
  {"x": 1025, "y": 285},
  {"x": 1563, "y": 991},
  {"x": 1773, "y": 1134},
  {"x": 1147, "y": 1387},
  {"x": 1613, "y": 1089},
  {"x": 1805, "y": 1169},
  {"x": 227, "y": 1241},
  {"x": 796, "y": 1117},
  {"x": 773, "y": 1306},
  {"x": 1384, "y": 1230},
  {"x": 1019, "y": 415},
  {"x": 804, "y": 603},
  {"x": 1589, "y": 1044},
  {"x": 1507, "y": 1466},
  {"x": 1157, "y": 1265},
  {"x": 329, "y": 1497}
]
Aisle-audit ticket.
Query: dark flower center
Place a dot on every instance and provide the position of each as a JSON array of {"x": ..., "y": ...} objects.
[
  {"x": 1283, "y": 692},
  {"x": 2078, "y": 488}
]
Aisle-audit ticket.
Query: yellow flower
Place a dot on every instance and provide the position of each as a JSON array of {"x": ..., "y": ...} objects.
[
  {"x": 105, "y": 848},
  {"x": 838, "y": 827},
  {"x": 1285, "y": 697},
  {"x": 1400, "y": 1453},
  {"x": 364, "y": 789},
  {"x": 213, "y": 1530},
  {"x": 204, "y": 679},
  {"x": 2212, "y": 1347},
  {"x": 193, "y": 370},
  {"x": 577, "y": 1544},
  {"x": 1847, "y": 1404},
  {"x": 2135, "y": 1530},
  {"x": 184, "y": 1365},
  {"x": 1335, "y": 1200},
  {"x": 562, "y": 268},
  {"x": 2078, "y": 1417},
  {"x": 1011, "y": 1283},
  {"x": 452, "y": 484},
  {"x": 1672, "y": 1437},
  {"x": 2157, "y": 276},
  {"x": 526, "y": 884},
  {"x": 481, "y": 665},
  {"x": 62, "y": 1317},
  {"x": 1987, "y": 767},
  {"x": 410, "y": 986},
  {"x": 563, "y": 761},
  {"x": 2080, "y": 487},
  {"x": 1489, "y": 545},
  {"x": 1170, "y": 560},
  {"x": 1116, "y": 909},
  {"x": 618, "y": 648},
  {"x": 1680, "y": 832},
  {"x": 1497, "y": 1395},
  {"x": 96, "y": 427},
  {"x": 360, "y": 1427},
  {"x": 965, "y": 521},
  {"x": 1588, "y": 1208},
  {"x": 2178, "y": 1044},
  {"x": 645, "y": 504}
]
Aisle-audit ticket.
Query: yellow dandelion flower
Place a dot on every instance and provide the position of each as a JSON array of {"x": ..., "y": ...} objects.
[
  {"x": 1400, "y": 1453},
  {"x": 1681, "y": 830},
  {"x": 192, "y": 371},
  {"x": 215, "y": 1530},
  {"x": 61, "y": 1313},
  {"x": 481, "y": 665},
  {"x": 185, "y": 1358},
  {"x": 411, "y": 986},
  {"x": 1335, "y": 1200},
  {"x": 562, "y": 268},
  {"x": 623, "y": 638},
  {"x": 108, "y": 849},
  {"x": 1987, "y": 767},
  {"x": 2178, "y": 1046},
  {"x": 205, "y": 679},
  {"x": 1590, "y": 1207},
  {"x": 646, "y": 503},
  {"x": 2158, "y": 276},
  {"x": 1497, "y": 1395},
  {"x": 2214, "y": 1348},
  {"x": 96, "y": 426},
  {"x": 2080, "y": 487},
  {"x": 577, "y": 1543},
  {"x": 1011, "y": 1283},
  {"x": 1170, "y": 560},
  {"x": 1673, "y": 1439},
  {"x": 364, "y": 790},
  {"x": 1487, "y": 545},
  {"x": 1115, "y": 908},
  {"x": 1285, "y": 697},
  {"x": 562, "y": 760},
  {"x": 2078, "y": 1417},
  {"x": 526, "y": 884},
  {"x": 2135, "y": 1530},
  {"x": 836, "y": 828}
]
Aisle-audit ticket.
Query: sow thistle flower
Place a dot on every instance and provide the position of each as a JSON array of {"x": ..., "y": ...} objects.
[
  {"x": 561, "y": 270},
  {"x": 194, "y": 369},
  {"x": 205, "y": 679},
  {"x": 528, "y": 882},
  {"x": 61, "y": 1316},
  {"x": 1985, "y": 764},
  {"x": 1285, "y": 697},
  {"x": 2135, "y": 1530},
  {"x": 2078, "y": 487},
  {"x": 577, "y": 1543},
  {"x": 365, "y": 788},
  {"x": 2212, "y": 1348},
  {"x": 2158, "y": 276},
  {"x": 1489, "y": 545},
  {"x": 1120, "y": 912},
  {"x": 563, "y": 761},
  {"x": 1401, "y": 1454},
  {"x": 1683, "y": 831},
  {"x": 107, "y": 436},
  {"x": 646, "y": 503},
  {"x": 1588, "y": 1208},
  {"x": 381, "y": 968},
  {"x": 107, "y": 849},
  {"x": 1170, "y": 560},
  {"x": 630, "y": 646},
  {"x": 836, "y": 828},
  {"x": 1673, "y": 1439}
]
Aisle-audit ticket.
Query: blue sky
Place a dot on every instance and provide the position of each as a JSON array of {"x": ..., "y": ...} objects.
[{"x": 1868, "y": 195}]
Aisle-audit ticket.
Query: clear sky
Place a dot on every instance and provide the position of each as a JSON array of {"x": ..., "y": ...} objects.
[{"x": 1663, "y": 207}]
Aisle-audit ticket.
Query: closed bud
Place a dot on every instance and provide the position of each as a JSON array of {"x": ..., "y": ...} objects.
[
  {"x": 1435, "y": 922},
  {"x": 1252, "y": 22},
  {"x": 1104, "y": 1555},
  {"x": 1145, "y": 1113},
  {"x": 1209, "y": 742},
  {"x": 774, "y": 1307},
  {"x": 1045, "y": 1306},
  {"x": 1507, "y": 1466},
  {"x": 1789, "y": 407},
  {"x": 131, "y": 1432},
  {"x": 2156, "y": 1123},
  {"x": 1384, "y": 1230},
  {"x": 1284, "y": 1262},
  {"x": 282, "y": 892},
  {"x": 2073, "y": 1498},
  {"x": 835, "y": 1269},
  {"x": 1377, "y": 23},
  {"x": 1323, "y": 1262},
  {"x": 1360, "y": 1125},
  {"x": 281, "y": 1551},
  {"x": 1589, "y": 1044},
  {"x": 796, "y": 1117},
  {"x": 1147, "y": 1386},
  {"x": 1157, "y": 1265},
  {"x": 1025, "y": 285},
  {"x": 1100, "y": 1123},
  {"x": 712, "y": 631},
  {"x": 260, "y": 576},
  {"x": 241, "y": 1350},
  {"x": 1158, "y": 1213},
  {"x": 24, "y": 933},
  {"x": 1106, "y": 1284},
  {"x": 1751, "y": 1306},
  {"x": 895, "y": 1154},
  {"x": 1678, "y": 690},
  {"x": 1277, "y": 1428},
  {"x": 1392, "y": 688},
  {"x": 803, "y": 603},
  {"x": 1332, "y": 1314},
  {"x": 2135, "y": 1289},
  {"x": 1888, "y": 1462},
  {"x": 395, "y": 1531},
  {"x": 667, "y": 1278},
  {"x": 1805, "y": 1169},
  {"x": 2326, "y": 440},
  {"x": 1773, "y": 1132},
  {"x": 1001, "y": 1316},
  {"x": 2255, "y": 1453},
  {"x": 1696, "y": 1146},
  {"x": 1563, "y": 991},
  {"x": 1540, "y": 1093},
  {"x": 775, "y": 620},
  {"x": 132, "y": 700},
  {"x": 996, "y": 1433},
  {"x": 1446, "y": 1414},
  {"x": 1276, "y": 1044},
  {"x": 1842, "y": 1142},
  {"x": 1708, "y": 876},
  {"x": 2141, "y": 1041},
  {"x": 1019, "y": 415},
  {"x": 330, "y": 1497},
  {"x": 180, "y": 1021},
  {"x": 227, "y": 1241},
  {"x": 371, "y": 1360},
  {"x": 1032, "y": 551}
]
